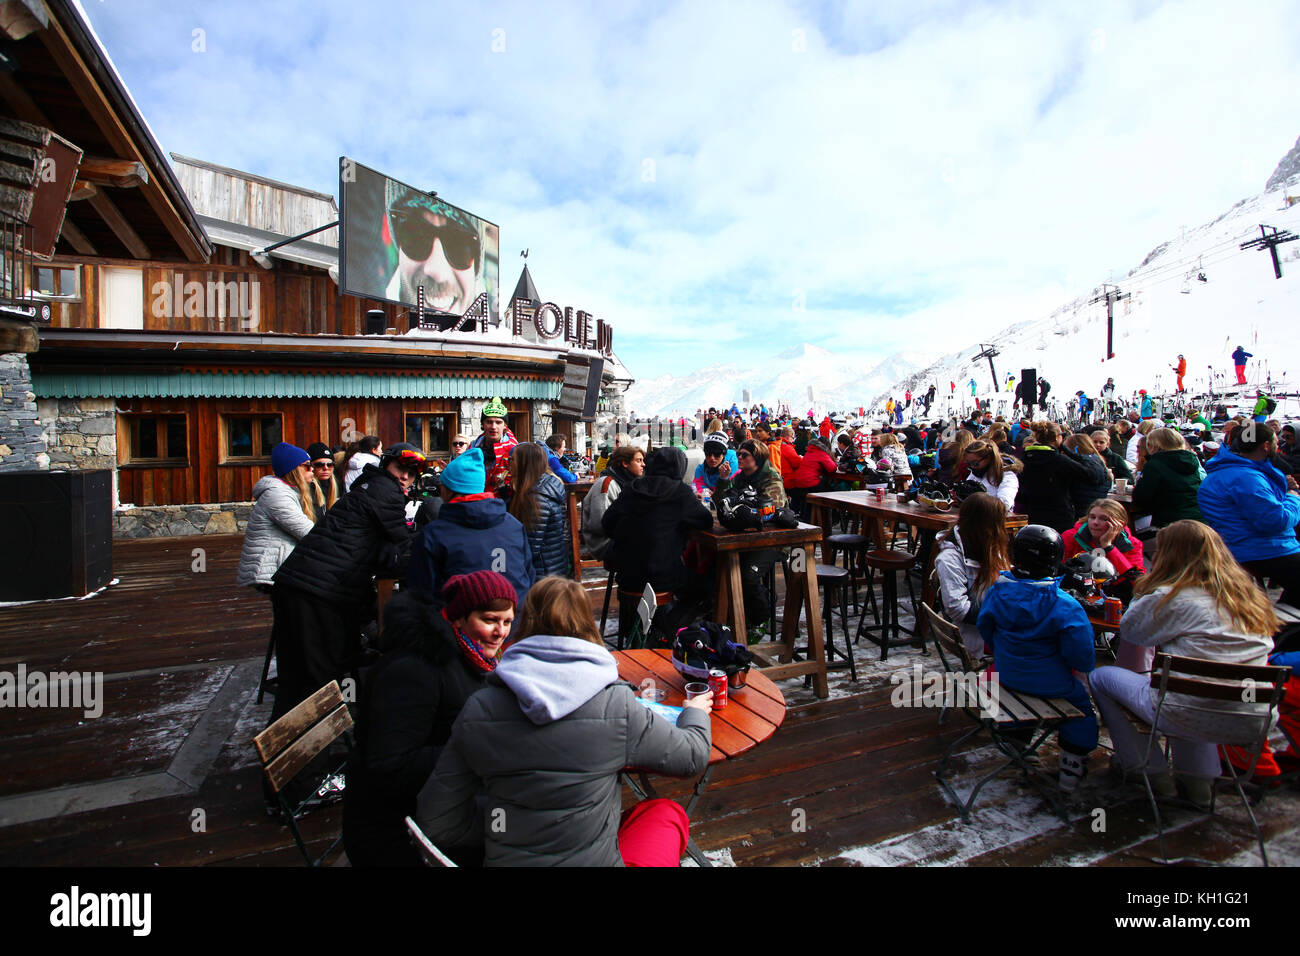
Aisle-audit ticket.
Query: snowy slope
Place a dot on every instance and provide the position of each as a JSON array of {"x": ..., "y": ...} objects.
[
  {"x": 837, "y": 382},
  {"x": 1169, "y": 312}
]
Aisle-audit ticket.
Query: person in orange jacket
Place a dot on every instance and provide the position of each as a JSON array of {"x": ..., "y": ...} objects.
[{"x": 1180, "y": 370}]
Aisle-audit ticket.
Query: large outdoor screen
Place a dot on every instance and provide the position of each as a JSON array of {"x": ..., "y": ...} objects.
[{"x": 395, "y": 238}]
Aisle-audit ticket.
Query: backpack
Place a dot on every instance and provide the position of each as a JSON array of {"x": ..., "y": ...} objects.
[{"x": 1270, "y": 405}]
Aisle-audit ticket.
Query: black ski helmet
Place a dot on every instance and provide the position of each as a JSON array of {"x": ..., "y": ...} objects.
[
  {"x": 405, "y": 454},
  {"x": 1037, "y": 551}
]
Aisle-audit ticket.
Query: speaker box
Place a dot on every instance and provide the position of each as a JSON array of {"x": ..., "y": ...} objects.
[
  {"x": 376, "y": 322},
  {"x": 1029, "y": 388},
  {"x": 58, "y": 533}
]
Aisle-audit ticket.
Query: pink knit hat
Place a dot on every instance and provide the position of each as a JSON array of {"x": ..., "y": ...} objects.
[{"x": 468, "y": 592}]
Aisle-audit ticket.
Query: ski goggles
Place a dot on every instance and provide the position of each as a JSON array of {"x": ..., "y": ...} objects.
[
  {"x": 409, "y": 460},
  {"x": 415, "y": 236}
]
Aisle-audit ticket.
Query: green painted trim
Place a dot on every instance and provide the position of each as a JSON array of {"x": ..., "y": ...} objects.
[{"x": 285, "y": 385}]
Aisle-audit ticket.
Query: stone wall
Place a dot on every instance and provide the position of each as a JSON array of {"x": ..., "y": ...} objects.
[
  {"x": 166, "y": 521},
  {"x": 22, "y": 437},
  {"x": 81, "y": 432}
]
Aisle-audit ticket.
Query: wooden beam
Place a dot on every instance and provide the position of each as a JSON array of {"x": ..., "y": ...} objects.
[
  {"x": 77, "y": 239},
  {"x": 24, "y": 106},
  {"x": 86, "y": 83},
  {"x": 18, "y": 18},
  {"x": 82, "y": 190},
  {"x": 122, "y": 173},
  {"x": 121, "y": 228},
  {"x": 18, "y": 336}
]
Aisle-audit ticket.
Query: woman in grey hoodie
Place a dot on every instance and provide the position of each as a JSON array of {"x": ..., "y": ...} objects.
[{"x": 532, "y": 766}]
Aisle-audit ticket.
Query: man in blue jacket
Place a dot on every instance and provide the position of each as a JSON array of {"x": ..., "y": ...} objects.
[
  {"x": 1255, "y": 508},
  {"x": 473, "y": 532},
  {"x": 1040, "y": 636}
]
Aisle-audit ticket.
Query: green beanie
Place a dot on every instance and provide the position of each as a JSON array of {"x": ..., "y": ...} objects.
[{"x": 494, "y": 409}]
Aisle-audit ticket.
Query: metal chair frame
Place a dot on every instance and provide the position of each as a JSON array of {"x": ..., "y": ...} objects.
[{"x": 1165, "y": 669}]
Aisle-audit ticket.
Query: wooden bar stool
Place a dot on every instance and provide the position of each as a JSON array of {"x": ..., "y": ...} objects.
[
  {"x": 889, "y": 563},
  {"x": 834, "y": 580},
  {"x": 854, "y": 547}
]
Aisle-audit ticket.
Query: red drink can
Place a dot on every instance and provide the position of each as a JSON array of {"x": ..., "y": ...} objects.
[
  {"x": 1114, "y": 610},
  {"x": 880, "y": 494},
  {"x": 718, "y": 684}
]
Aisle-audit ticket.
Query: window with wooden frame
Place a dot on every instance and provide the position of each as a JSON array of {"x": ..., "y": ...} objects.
[
  {"x": 157, "y": 440},
  {"x": 431, "y": 432},
  {"x": 57, "y": 282},
  {"x": 519, "y": 425},
  {"x": 248, "y": 439}
]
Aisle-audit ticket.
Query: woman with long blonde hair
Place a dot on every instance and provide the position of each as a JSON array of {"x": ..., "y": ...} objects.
[
  {"x": 999, "y": 476},
  {"x": 1196, "y": 601}
]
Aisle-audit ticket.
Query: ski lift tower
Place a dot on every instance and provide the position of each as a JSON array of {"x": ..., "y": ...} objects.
[
  {"x": 1110, "y": 294},
  {"x": 990, "y": 353},
  {"x": 1270, "y": 241}
]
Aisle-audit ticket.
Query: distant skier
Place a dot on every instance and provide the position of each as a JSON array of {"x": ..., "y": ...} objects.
[
  {"x": 1239, "y": 360},
  {"x": 1264, "y": 406},
  {"x": 907, "y": 399},
  {"x": 1148, "y": 406},
  {"x": 972, "y": 388},
  {"x": 1085, "y": 406},
  {"x": 1180, "y": 370},
  {"x": 1011, "y": 382},
  {"x": 952, "y": 388},
  {"x": 1044, "y": 386},
  {"x": 1108, "y": 393}
]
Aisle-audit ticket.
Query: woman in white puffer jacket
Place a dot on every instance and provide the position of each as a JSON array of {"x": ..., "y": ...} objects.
[
  {"x": 889, "y": 449},
  {"x": 283, "y": 513}
]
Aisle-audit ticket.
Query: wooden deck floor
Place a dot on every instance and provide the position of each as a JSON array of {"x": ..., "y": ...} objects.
[{"x": 167, "y": 774}]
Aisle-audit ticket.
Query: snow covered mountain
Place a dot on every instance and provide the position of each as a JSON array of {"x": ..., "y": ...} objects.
[
  {"x": 837, "y": 382},
  {"x": 1169, "y": 309}
]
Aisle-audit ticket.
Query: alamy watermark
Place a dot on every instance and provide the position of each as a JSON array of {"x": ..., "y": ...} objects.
[
  {"x": 918, "y": 687},
  {"x": 75, "y": 689},
  {"x": 237, "y": 299}
]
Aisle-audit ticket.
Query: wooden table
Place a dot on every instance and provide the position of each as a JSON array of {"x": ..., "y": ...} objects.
[
  {"x": 753, "y": 713},
  {"x": 574, "y": 492},
  {"x": 863, "y": 504},
  {"x": 800, "y": 589}
]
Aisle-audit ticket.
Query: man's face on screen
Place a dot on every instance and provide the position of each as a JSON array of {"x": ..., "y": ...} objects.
[{"x": 440, "y": 254}]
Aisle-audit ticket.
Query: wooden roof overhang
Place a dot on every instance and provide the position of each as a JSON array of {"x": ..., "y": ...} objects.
[
  {"x": 104, "y": 350},
  {"x": 127, "y": 202}
]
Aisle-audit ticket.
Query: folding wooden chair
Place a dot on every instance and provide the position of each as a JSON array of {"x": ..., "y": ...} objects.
[
  {"x": 429, "y": 853},
  {"x": 1263, "y": 686},
  {"x": 1017, "y": 713},
  {"x": 292, "y": 742}
]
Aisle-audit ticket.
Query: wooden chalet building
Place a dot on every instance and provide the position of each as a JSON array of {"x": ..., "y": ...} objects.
[{"x": 180, "y": 348}]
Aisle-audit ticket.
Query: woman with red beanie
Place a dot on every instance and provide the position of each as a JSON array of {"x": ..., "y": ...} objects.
[{"x": 436, "y": 653}]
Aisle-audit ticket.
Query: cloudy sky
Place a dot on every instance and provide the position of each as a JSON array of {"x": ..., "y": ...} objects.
[{"x": 718, "y": 179}]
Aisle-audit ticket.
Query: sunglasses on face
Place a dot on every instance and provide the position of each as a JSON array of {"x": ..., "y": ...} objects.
[
  {"x": 460, "y": 444},
  {"x": 415, "y": 235},
  {"x": 743, "y": 454},
  {"x": 322, "y": 464}
]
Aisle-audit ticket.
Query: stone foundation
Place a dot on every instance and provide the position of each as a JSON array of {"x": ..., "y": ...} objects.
[
  {"x": 22, "y": 436},
  {"x": 81, "y": 432},
  {"x": 170, "y": 521}
]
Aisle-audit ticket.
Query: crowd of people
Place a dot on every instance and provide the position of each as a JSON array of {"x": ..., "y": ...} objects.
[{"x": 490, "y": 684}]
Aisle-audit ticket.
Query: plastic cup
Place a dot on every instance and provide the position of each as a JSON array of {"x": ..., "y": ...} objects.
[{"x": 696, "y": 689}]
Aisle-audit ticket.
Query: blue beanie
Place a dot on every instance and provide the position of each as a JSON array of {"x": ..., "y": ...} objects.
[
  {"x": 285, "y": 458},
  {"x": 465, "y": 473}
]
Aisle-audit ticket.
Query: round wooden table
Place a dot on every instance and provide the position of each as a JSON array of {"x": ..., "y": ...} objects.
[{"x": 752, "y": 714}]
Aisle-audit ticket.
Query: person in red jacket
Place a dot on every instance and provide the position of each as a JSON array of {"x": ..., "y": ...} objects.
[
  {"x": 1180, "y": 370},
  {"x": 785, "y": 460},
  {"x": 1105, "y": 528},
  {"x": 813, "y": 474},
  {"x": 827, "y": 428}
]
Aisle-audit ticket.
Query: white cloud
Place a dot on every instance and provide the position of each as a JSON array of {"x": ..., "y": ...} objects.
[{"x": 929, "y": 165}]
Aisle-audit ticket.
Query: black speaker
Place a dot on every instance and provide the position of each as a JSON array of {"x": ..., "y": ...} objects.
[
  {"x": 58, "y": 533},
  {"x": 376, "y": 322},
  {"x": 1028, "y": 389}
]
